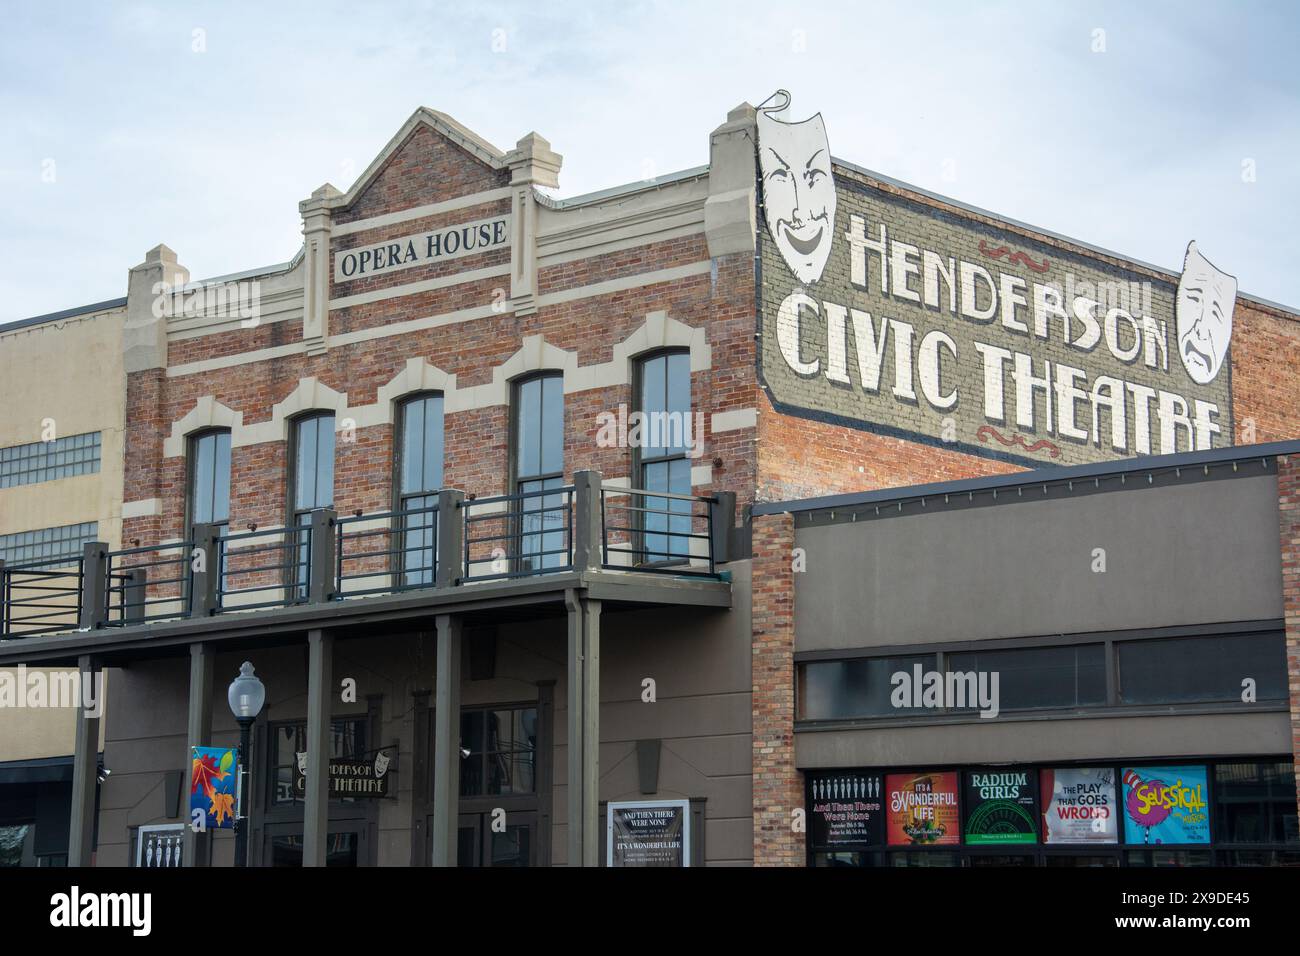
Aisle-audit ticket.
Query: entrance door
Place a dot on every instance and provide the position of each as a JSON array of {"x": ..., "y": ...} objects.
[
  {"x": 345, "y": 845},
  {"x": 511, "y": 844}
]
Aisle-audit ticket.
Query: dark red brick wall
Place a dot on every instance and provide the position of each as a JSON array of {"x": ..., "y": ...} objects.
[{"x": 1288, "y": 503}]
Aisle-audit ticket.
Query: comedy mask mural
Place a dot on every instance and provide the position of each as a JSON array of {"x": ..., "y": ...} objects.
[
  {"x": 798, "y": 189},
  {"x": 898, "y": 313},
  {"x": 1206, "y": 298}
]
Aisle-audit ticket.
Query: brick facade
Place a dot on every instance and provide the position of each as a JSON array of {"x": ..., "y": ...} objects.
[
  {"x": 778, "y": 786},
  {"x": 1288, "y": 503},
  {"x": 426, "y": 169}
]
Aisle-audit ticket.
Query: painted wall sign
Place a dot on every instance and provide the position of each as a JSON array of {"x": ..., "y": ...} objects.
[
  {"x": 1166, "y": 805},
  {"x": 212, "y": 786},
  {"x": 922, "y": 809},
  {"x": 847, "y": 808},
  {"x": 886, "y": 314},
  {"x": 348, "y": 777},
  {"x": 648, "y": 833},
  {"x": 437, "y": 245},
  {"x": 1079, "y": 805},
  {"x": 1001, "y": 806}
]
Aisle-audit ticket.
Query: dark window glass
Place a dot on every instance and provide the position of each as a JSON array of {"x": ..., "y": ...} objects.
[
  {"x": 210, "y": 478},
  {"x": 313, "y": 484},
  {"x": 860, "y": 687},
  {"x": 420, "y": 463},
  {"x": 340, "y": 849},
  {"x": 1255, "y": 803},
  {"x": 347, "y": 739},
  {"x": 539, "y": 465},
  {"x": 1202, "y": 669},
  {"x": 664, "y": 401},
  {"x": 502, "y": 745},
  {"x": 1040, "y": 677}
]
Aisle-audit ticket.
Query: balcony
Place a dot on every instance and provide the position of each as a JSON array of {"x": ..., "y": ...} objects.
[{"x": 460, "y": 547}]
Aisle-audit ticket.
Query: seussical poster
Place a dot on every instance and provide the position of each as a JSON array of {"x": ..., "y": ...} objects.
[{"x": 1165, "y": 805}]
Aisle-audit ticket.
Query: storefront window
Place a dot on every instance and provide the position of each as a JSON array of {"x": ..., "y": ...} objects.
[
  {"x": 1202, "y": 669},
  {"x": 1256, "y": 803},
  {"x": 347, "y": 739},
  {"x": 860, "y": 687},
  {"x": 502, "y": 745},
  {"x": 1041, "y": 677}
]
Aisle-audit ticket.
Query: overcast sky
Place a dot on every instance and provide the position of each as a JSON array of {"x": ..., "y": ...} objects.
[{"x": 1131, "y": 126}]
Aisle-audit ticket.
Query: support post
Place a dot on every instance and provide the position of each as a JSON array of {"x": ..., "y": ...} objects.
[
  {"x": 446, "y": 741},
  {"x": 584, "y": 730},
  {"x": 94, "y": 586},
  {"x": 198, "y": 734},
  {"x": 85, "y": 769},
  {"x": 203, "y": 584},
  {"x": 320, "y": 680},
  {"x": 451, "y": 537},
  {"x": 135, "y": 589},
  {"x": 588, "y": 544},
  {"x": 722, "y": 512},
  {"x": 321, "y": 559}
]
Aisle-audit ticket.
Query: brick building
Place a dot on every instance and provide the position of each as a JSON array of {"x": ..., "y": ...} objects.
[{"x": 418, "y": 470}]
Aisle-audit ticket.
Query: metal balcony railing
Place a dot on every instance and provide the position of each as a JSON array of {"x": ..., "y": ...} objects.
[{"x": 458, "y": 541}]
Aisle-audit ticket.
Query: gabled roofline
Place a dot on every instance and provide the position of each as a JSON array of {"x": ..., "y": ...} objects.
[
  {"x": 1038, "y": 476},
  {"x": 441, "y": 123}
]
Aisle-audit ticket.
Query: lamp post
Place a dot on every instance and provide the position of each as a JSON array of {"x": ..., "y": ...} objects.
[{"x": 246, "y": 695}]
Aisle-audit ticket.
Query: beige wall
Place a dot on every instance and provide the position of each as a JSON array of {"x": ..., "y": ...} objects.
[{"x": 69, "y": 371}]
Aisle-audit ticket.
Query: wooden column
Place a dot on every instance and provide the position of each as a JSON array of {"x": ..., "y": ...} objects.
[
  {"x": 446, "y": 741},
  {"x": 584, "y": 731},
  {"x": 198, "y": 734},
  {"x": 320, "y": 697},
  {"x": 85, "y": 771}
]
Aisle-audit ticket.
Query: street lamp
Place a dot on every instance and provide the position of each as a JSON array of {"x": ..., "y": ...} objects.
[{"x": 246, "y": 695}]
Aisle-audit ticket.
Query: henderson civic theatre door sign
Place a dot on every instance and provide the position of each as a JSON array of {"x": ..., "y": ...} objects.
[
  {"x": 913, "y": 317},
  {"x": 348, "y": 777}
]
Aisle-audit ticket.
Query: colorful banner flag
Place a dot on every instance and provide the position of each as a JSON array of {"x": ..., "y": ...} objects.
[{"x": 212, "y": 786}]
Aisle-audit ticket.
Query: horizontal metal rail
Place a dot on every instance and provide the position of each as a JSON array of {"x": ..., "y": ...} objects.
[
  {"x": 30, "y": 593},
  {"x": 515, "y": 560},
  {"x": 140, "y": 588},
  {"x": 288, "y": 576},
  {"x": 655, "y": 535},
  {"x": 394, "y": 563}
]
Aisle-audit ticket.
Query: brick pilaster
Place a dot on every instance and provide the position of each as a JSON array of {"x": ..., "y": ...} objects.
[
  {"x": 778, "y": 786},
  {"x": 1288, "y": 505}
]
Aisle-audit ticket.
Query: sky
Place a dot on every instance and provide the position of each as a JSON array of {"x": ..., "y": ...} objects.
[{"x": 1135, "y": 127}]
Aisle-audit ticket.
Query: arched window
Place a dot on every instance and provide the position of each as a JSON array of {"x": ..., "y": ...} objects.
[
  {"x": 662, "y": 456},
  {"x": 538, "y": 464},
  {"x": 418, "y": 463},
  {"x": 311, "y": 482},
  {"x": 207, "y": 485}
]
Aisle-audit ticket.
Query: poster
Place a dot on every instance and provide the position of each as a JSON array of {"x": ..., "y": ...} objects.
[
  {"x": 1001, "y": 806},
  {"x": 847, "y": 808},
  {"x": 1166, "y": 805},
  {"x": 212, "y": 787},
  {"x": 922, "y": 809},
  {"x": 648, "y": 833},
  {"x": 1079, "y": 805}
]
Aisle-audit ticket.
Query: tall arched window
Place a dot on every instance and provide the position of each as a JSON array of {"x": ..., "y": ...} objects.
[
  {"x": 538, "y": 464},
  {"x": 662, "y": 457},
  {"x": 311, "y": 481},
  {"x": 418, "y": 463},
  {"x": 207, "y": 486}
]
